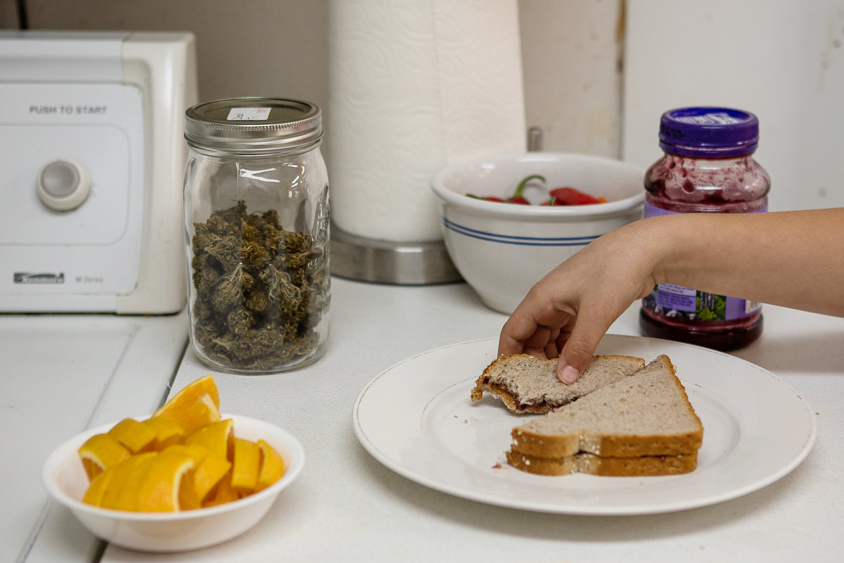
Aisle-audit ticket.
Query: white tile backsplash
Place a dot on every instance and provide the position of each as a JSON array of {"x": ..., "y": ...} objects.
[{"x": 280, "y": 48}]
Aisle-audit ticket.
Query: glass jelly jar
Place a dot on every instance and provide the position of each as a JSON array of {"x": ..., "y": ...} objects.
[
  {"x": 257, "y": 234},
  {"x": 708, "y": 167}
]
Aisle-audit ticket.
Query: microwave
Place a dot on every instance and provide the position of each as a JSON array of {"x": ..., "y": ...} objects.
[{"x": 92, "y": 157}]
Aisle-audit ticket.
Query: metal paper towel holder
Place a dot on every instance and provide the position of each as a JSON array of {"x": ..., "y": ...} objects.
[{"x": 397, "y": 263}]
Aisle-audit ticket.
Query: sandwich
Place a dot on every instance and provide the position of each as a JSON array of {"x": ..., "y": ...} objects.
[
  {"x": 527, "y": 384},
  {"x": 639, "y": 425}
]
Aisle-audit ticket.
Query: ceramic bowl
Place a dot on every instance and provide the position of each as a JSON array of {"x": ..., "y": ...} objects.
[
  {"x": 502, "y": 250},
  {"x": 65, "y": 480}
]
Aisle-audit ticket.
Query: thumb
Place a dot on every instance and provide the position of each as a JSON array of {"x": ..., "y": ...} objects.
[{"x": 579, "y": 349}]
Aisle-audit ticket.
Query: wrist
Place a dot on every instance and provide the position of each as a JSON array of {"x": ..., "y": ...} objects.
[
  {"x": 661, "y": 238},
  {"x": 686, "y": 255}
]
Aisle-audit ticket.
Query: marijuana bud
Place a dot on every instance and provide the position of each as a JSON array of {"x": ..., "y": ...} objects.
[{"x": 259, "y": 290}]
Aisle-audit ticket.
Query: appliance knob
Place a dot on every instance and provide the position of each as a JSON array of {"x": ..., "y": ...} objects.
[{"x": 63, "y": 185}]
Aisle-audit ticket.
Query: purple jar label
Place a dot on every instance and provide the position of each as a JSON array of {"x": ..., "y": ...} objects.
[
  {"x": 690, "y": 304},
  {"x": 654, "y": 211},
  {"x": 669, "y": 296}
]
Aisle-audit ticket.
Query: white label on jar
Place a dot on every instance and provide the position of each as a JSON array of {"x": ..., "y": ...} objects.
[
  {"x": 751, "y": 307},
  {"x": 249, "y": 114},
  {"x": 719, "y": 118}
]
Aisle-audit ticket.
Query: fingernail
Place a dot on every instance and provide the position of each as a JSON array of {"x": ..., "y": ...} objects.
[{"x": 569, "y": 375}]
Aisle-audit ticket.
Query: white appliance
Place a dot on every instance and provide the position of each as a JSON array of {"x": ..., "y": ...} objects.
[{"x": 91, "y": 162}]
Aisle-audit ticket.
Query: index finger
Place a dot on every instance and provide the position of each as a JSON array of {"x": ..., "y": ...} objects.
[{"x": 514, "y": 333}]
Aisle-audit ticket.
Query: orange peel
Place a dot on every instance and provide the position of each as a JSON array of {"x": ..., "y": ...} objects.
[
  {"x": 217, "y": 437},
  {"x": 194, "y": 407},
  {"x": 224, "y": 492},
  {"x": 159, "y": 491},
  {"x": 208, "y": 476},
  {"x": 272, "y": 466},
  {"x": 121, "y": 477},
  {"x": 245, "y": 467},
  {"x": 97, "y": 488},
  {"x": 101, "y": 452},
  {"x": 134, "y": 435},
  {"x": 167, "y": 433}
]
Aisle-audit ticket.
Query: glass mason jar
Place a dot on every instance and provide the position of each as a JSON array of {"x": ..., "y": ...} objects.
[
  {"x": 257, "y": 234},
  {"x": 708, "y": 167}
]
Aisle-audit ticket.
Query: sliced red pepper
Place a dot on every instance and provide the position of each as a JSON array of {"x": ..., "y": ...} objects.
[
  {"x": 487, "y": 198},
  {"x": 517, "y": 196},
  {"x": 559, "y": 196},
  {"x": 571, "y": 196},
  {"x": 518, "y": 200}
]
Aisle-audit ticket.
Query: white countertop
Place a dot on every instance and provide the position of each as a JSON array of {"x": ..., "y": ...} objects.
[
  {"x": 61, "y": 374},
  {"x": 346, "y": 506}
]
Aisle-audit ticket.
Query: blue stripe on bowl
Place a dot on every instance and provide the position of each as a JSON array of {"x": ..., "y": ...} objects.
[{"x": 522, "y": 241}]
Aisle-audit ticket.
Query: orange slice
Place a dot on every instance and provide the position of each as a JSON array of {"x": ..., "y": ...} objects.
[
  {"x": 187, "y": 495},
  {"x": 272, "y": 466},
  {"x": 193, "y": 407},
  {"x": 195, "y": 415},
  {"x": 196, "y": 452},
  {"x": 122, "y": 475},
  {"x": 217, "y": 437},
  {"x": 97, "y": 488},
  {"x": 101, "y": 452},
  {"x": 202, "y": 386},
  {"x": 208, "y": 475},
  {"x": 132, "y": 434},
  {"x": 247, "y": 457},
  {"x": 159, "y": 491},
  {"x": 167, "y": 432},
  {"x": 127, "y": 496},
  {"x": 224, "y": 492}
]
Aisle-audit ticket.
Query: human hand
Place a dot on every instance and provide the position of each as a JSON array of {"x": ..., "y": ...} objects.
[{"x": 568, "y": 311}]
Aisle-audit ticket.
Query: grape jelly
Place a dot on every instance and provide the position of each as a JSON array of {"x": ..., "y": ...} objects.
[{"x": 708, "y": 167}]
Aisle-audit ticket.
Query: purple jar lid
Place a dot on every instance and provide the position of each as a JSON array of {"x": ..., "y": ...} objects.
[{"x": 709, "y": 132}]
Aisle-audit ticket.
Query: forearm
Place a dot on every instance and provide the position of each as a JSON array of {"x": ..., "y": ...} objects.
[{"x": 794, "y": 259}]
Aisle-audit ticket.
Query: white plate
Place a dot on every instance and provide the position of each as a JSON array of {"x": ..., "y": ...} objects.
[{"x": 417, "y": 419}]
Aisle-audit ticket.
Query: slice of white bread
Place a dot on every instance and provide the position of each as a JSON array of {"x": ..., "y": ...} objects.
[
  {"x": 604, "y": 466},
  {"x": 528, "y": 384},
  {"x": 647, "y": 414}
]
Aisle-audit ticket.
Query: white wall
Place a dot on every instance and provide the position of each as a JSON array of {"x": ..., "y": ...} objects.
[
  {"x": 571, "y": 61},
  {"x": 280, "y": 48},
  {"x": 781, "y": 59}
]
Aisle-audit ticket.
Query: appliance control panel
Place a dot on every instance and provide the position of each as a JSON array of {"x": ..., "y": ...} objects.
[{"x": 72, "y": 184}]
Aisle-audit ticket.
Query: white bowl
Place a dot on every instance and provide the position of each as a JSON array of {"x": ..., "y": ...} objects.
[
  {"x": 65, "y": 480},
  {"x": 502, "y": 249}
]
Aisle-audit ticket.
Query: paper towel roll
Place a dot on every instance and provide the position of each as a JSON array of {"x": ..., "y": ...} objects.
[{"x": 413, "y": 86}]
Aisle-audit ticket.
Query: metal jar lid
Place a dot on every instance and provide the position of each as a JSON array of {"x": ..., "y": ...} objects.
[{"x": 253, "y": 126}]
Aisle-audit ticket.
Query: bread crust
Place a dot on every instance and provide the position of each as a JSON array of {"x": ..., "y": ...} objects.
[
  {"x": 483, "y": 384},
  {"x": 612, "y": 445},
  {"x": 507, "y": 398},
  {"x": 605, "y": 466},
  {"x": 608, "y": 445}
]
